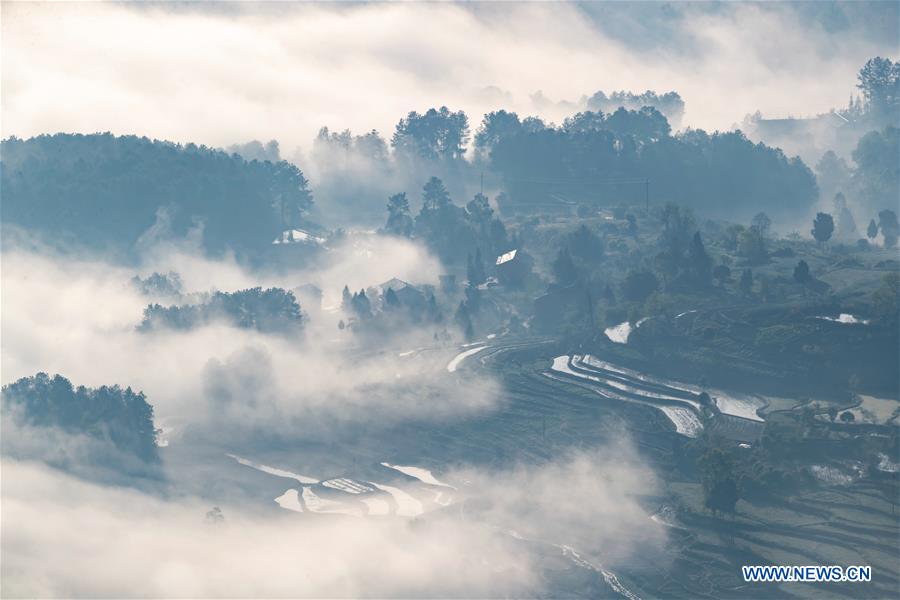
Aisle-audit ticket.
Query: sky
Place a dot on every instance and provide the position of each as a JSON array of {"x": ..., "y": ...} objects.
[{"x": 226, "y": 73}]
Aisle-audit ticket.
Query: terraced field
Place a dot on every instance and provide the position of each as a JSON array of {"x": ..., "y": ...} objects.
[{"x": 552, "y": 401}]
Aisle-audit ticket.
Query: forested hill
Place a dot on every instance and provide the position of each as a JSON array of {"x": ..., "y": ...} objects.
[
  {"x": 105, "y": 191},
  {"x": 608, "y": 158},
  {"x": 122, "y": 417}
]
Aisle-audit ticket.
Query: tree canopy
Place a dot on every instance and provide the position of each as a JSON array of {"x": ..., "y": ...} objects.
[
  {"x": 121, "y": 416},
  {"x": 273, "y": 310},
  {"x": 435, "y": 134},
  {"x": 107, "y": 191}
]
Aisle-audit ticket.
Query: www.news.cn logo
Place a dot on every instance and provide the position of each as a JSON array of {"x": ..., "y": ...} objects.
[{"x": 810, "y": 573}]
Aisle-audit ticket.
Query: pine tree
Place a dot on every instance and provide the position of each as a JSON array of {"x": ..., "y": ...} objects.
[
  {"x": 391, "y": 301},
  {"x": 464, "y": 321},
  {"x": 872, "y": 230},
  {"x": 699, "y": 262},
  {"x": 564, "y": 269}
]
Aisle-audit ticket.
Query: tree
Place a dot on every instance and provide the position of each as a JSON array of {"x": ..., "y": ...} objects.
[
  {"x": 699, "y": 264},
  {"x": 214, "y": 516},
  {"x": 432, "y": 311},
  {"x": 290, "y": 190},
  {"x": 823, "y": 227},
  {"x": 847, "y": 417},
  {"x": 110, "y": 192},
  {"x": 887, "y": 223},
  {"x": 494, "y": 127},
  {"x": 720, "y": 489},
  {"x": 274, "y": 310},
  {"x": 585, "y": 244},
  {"x": 832, "y": 174},
  {"x": 464, "y": 321},
  {"x": 436, "y": 134},
  {"x": 434, "y": 195},
  {"x": 832, "y": 412},
  {"x": 398, "y": 222},
  {"x": 346, "y": 298},
  {"x": 108, "y": 413},
  {"x": 746, "y": 283},
  {"x": 361, "y": 305},
  {"x": 391, "y": 301},
  {"x": 876, "y": 180},
  {"x": 886, "y": 300},
  {"x": 879, "y": 80},
  {"x": 473, "y": 299},
  {"x": 763, "y": 223},
  {"x": 479, "y": 211},
  {"x": 752, "y": 245},
  {"x": 632, "y": 225},
  {"x": 801, "y": 273},
  {"x": 695, "y": 168},
  {"x": 564, "y": 270},
  {"x": 478, "y": 263},
  {"x": 846, "y": 224},
  {"x": 669, "y": 104},
  {"x": 872, "y": 230},
  {"x": 639, "y": 284},
  {"x": 475, "y": 273}
]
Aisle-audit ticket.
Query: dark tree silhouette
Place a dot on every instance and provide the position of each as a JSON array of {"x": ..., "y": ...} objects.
[
  {"x": 890, "y": 229},
  {"x": 801, "y": 273},
  {"x": 120, "y": 416},
  {"x": 399, "y": 222},
  {"x": 109, "y": 191},
  {"x": 720, "y": 489},
  {"x": 271, "y": 310},
  {"x": 436, "y": 134},
  {"x": 564, "y": 270},
  {"x": 823, "y": 227},
  {"x": 872, "y": 230}
]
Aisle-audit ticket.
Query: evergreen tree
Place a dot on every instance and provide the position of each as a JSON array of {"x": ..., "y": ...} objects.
[
  {"x": 433, "y": 312},
  {"x": 464, "y": 321},
  {"x": 890, "y": 229},
  {"x": 399, "y": 221},
  {"x": 720, "y": 489},
  {"x": 480, "y": 275},
  {"x": 361, "y": 305},
  {"x": 391, "y": 301},
  {"x": 564, "y": 269},
  {"x": 846, "y": 224},
  {"x": 699, "y": 263},
  {"x": 823, "y": 227},
  {"x": 872, "y": 230},
  {"x": 763, "y": 223},
  {"x": 801, "y": 273},
  {"x": 113, "y": 414},
  {"x": 434, "y": 195}
]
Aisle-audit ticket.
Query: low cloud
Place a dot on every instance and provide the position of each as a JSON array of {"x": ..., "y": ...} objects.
[
  {"x": 77, "y": 317},
  {"x": 65, "y": 537},
  {"x": 231, "y": 74}
]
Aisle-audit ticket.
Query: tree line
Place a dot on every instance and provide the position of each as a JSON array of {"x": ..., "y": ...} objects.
[{"x": 120, "y": 416}]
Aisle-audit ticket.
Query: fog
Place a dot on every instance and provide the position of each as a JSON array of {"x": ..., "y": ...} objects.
[
  {"x": 281, "y": 71},
  {"x": 66, "y": 537},
  {"x": 454, "y": 438},
  {"x": 78, "y": 317}
]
